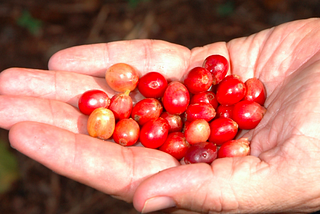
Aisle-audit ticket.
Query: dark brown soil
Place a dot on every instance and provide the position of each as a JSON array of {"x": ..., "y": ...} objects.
[{"x": 32, "y": 30}]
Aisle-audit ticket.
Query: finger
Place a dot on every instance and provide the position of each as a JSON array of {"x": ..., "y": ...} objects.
[
  {"x": 145, "y": 55},
  {"x": 103, "y": 165},
  {"x": 63, "y": 86},
  {"x": 230, "y": 185},
  {"x": 15, "y": 109}
]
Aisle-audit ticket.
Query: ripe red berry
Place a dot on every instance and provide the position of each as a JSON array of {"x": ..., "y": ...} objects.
[
  {"x": 197, "y": 131},
  {"x": 205, "y": 97},
  {"x": 126, "y": 132},
  {"x": 248, "y": 114},
  {"x": 230, "y": 90},
  {"x": 218, "y": 66},
  {"x": 222, "y": 130},
  {"x": 224, "y": 111},
  {"x": 91, "y": 100},
  {"x": 121, "y": 77},
  {"x": 176, "y": 98},
  {"x": 121, "y": 105},
  {"x": 200, "y": 111},
  {"x": 146, "y": 110},
  {"x": 175, "y": 145},
  {"x": 152, "y": 85},
  {"x": 154, "y": 133},
  {"x": 234, "y": 148},
  {"x": 201, "y": 153},
  {"x": 198, "y": 80},
  {"x": 255, "y": 91},
  {"x": 175, "y": 121}
]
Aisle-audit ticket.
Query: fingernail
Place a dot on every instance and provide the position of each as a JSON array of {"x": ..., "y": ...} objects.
[{"x": 158, "y": 203}]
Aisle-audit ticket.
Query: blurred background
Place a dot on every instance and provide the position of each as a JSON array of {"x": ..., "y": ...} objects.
[{"x": 32, "y": 30}]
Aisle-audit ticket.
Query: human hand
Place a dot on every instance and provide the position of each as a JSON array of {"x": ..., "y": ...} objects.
[{"x": 281, "y": 175}]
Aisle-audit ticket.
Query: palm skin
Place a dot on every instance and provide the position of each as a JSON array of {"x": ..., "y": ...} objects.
[{"x": 281, "y": 175}]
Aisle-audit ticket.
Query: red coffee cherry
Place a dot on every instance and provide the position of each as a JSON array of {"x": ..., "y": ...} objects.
[
  {"x": 152, "y": 85},
  {"x": 200, "y": 111},
  {"x": 235, "y": 148},
  {"x": 222, "y": 130},
  {"x": 146, "y": 110},
  {"x": 154, "y": 133},
  {"x": 205, "y": 97},
  {"x": 248, "y": 114},
  {"x": 121, "y": 105},
  {"x": 198, "y": 80},
  {"x": 255, "y": 91},
  {"x": 91, "y": 100},
  {"x": 224, "y": 111},
  {"x": 176, "y": 98},
  {"x": 230, "y": 91},
  {"x": 201, "y": 153},
  {"x": 126, "y": 132},
  {"x": 175, "y": 145},
  {"x": 175, "y": 121},
  {"x": 218, "y": 66}
]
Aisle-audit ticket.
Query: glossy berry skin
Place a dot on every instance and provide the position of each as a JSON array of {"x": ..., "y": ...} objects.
[
  {"x": 197, "y": 131},
  {"x": 91, "y": 100},
  {"x": 154, "y": 133},
  {"x": 152, "y": 85},
  {"x": 255, "y": 91},
  {"x": 176, "y": 98},
  {"x": 175, "y": 145},
  {"x": 101, "y": 123},
  {"x": 205, "y": 97},
  {"x": 175, "y": 121},
  {"x": 248, "y": 114},
  {"x": 218, "y": 66},
  {"x": 234, "y": 148},
  {"x": 146, "y": 109},
  {"x": 222, "y": 130},
  {"x": 121, "y": 77},
  {"x": 200, "y": 111},
  {"x": 224, "y": 111},
  {"x": 201, "y": 153},
  {"x": 126, "y": 132},
  {"x": 230, "y": 90},
  {"x": 198, "y": 80},
  {"x": 121, "y": 105}
]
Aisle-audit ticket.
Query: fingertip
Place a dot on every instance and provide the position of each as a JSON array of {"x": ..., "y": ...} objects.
[
  {"x": 16, "y": 134},
  {"x": 56, "y": 59},
  {"x": 52, "y": 61},
  {"x": 83, "y": 59},
  {"x": 169, "y": 187},
  {"x": 66, "y": 59},
  {"x": 5, "y": 76}
]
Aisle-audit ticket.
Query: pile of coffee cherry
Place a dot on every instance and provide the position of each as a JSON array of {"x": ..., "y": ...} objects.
[{"x": 195, "y": 121}]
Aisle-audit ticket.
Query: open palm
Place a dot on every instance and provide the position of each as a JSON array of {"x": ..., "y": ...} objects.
[{"x": 281, "y": 175}]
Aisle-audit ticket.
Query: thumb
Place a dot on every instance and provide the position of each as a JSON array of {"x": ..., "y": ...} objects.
[{"x": 228, "y": 185}]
